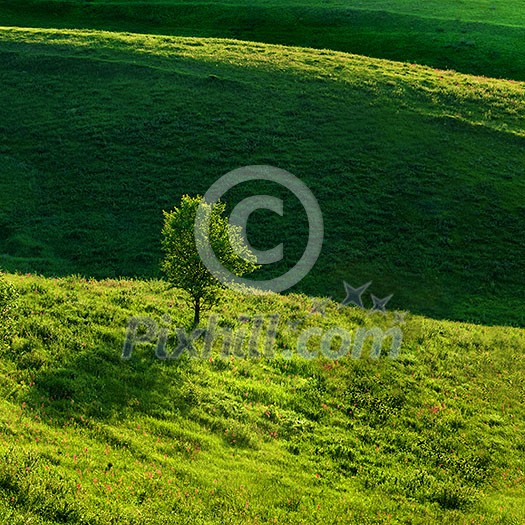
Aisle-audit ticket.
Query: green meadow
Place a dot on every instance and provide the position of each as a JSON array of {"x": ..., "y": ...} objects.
[
  {"x": 434, "y": 436},
  {"x": 406, "y": 121},
  {"x": 418, "y": 172},
  {"x": 482, "y": 37}
]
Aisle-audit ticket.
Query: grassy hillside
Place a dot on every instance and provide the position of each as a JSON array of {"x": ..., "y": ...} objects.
[
  {"x": 111, "y": 110},
  {"x": 418, "y": 172},
  {"x": 435, "y": 436},
  {"x": 481, "y": 37}
]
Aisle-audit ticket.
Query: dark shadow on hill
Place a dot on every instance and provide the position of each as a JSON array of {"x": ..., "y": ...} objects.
[
  {"x": 98, "y": 385},
  {"x": 427, "y": 207}
]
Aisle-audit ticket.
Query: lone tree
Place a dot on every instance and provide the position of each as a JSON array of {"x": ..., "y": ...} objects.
[{"x": 182, "y": 263}]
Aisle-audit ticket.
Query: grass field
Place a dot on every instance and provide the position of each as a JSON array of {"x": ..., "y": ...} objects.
[
  {"x": 110, "y": 111},
  {"x": 418, "y": 172},
  {"x": 483, "y": 37},
  {"x": 435, "y": 436}
]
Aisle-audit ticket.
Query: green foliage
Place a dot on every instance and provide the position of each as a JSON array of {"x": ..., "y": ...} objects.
[
  {"x": 419, "y": 175},
  {"x": 8, "y": 298},
  {"x": 182, "y": 263}
]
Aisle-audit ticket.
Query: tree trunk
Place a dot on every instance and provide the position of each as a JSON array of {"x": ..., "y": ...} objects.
[{"x": 197, "y": 311}]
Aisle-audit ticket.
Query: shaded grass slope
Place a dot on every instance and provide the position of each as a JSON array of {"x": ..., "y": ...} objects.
[{"x": 418, "y": 172}]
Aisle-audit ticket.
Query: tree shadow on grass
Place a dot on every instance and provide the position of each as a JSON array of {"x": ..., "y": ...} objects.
[{"x": 99, "y": 385}]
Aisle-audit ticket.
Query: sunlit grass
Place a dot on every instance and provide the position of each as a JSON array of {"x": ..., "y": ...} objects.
[{"x": 433, "y": 437}]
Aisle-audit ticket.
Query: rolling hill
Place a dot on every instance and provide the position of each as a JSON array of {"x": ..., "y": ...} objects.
[
  {"x": 434, "y": 436},
  {"x": 418, "y": 172},
  {"x": 405, "y": 120},
  {"x": 481, "y": 37}
]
